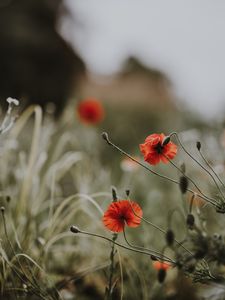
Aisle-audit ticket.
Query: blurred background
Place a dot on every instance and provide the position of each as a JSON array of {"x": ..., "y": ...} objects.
[
  {"x": 153, "y": 55},
  {"x": 154, "y": 66}
]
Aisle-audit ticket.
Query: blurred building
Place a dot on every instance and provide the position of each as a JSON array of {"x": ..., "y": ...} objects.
[
  {"x": 37, "y": 65},
  {"x": 135, "y": 84}
]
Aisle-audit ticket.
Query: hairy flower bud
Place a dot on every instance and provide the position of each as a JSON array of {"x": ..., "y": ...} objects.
[
  {"x": 166, "y": 140},
  {"x": 128, "y": 193},
  {"x": 190, "y": 221},
  {"x": 198, "y": 145},
  {"x": 169, "y": 237},
  {"x": 153, "y": 257},
  {"x": 161, "y": 275},
  {"x": 114, "y": 194},
  {"x": 183, "y": 184}
]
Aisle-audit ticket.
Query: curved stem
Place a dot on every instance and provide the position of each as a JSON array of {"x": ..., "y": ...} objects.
[
  {"x": 160, "y": 229},
  {"x": 211, "y": 168},
  {"x": 162, "y": 256},
  {"x": 194, "y": 159},
  {"x": 148, "y": 253}
]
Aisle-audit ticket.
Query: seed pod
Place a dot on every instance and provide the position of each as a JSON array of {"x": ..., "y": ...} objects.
[
  {"x": 190, "y": 221},
  {"x": 166, "y": 140},
  {"x": 161, "y": 275},
  {"x": 169, "y": 237},
  {"x": 183, "y": 184},
  {"x": 198, "y": 145}
]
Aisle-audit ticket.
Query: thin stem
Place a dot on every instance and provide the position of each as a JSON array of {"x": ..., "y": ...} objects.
[
  {"x": 194, "y": 159},
  {"x": 148, "y": 253},
  {"x": 109, "y": 289},
  {"x": 191, "y": 203},
  {"x": 211, "y": 168},
  {"x": 190, "y": 179},
  {"x": 162, "y": 256},
  {"x": 155, "y": 226},
  {"x": 157, "y": 174}
]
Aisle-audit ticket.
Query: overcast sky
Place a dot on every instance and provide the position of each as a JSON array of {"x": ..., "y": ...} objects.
[{"x": 184, "y": 39}]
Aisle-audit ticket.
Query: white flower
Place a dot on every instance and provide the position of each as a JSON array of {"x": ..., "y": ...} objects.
[{"x": 13, "y": 101}]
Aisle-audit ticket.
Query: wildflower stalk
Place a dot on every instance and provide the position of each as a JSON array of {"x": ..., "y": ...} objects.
[
  {"x": 194, "y": 159},
  {"x": 106, "y": 138},
  {"x": 110, "y": 287}
]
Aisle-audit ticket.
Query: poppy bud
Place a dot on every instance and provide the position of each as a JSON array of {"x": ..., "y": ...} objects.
[
  {"x": 114, "y": 194},
  {"x": 74, "y": 229},
  {"x": 128, "y": 193},
  {"x": 190, "y": 221},
  {"x": 161, "y": 275},
  {"x": 8, "y": 198},
  {"x": 105, "y": 137},
  {"x": 169, "y": 237},
  {"x": 166, "y": 140},
  {"x": 198, "y": 145},
  {"x": 2, "y": 208},
  {"x": 153, "y": 257},
  {"x": 183, "y": 184}
]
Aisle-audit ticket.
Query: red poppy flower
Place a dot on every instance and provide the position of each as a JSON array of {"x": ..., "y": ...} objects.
[
  {"x": 121, "y": 213},
  {"x": 154, "y": 151},
  {"x": 90, "y": 111},
  {"x": 159, "y": 265}
]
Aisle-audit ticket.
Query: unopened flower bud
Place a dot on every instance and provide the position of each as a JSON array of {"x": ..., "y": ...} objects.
[
  {"x": 2, "y": 208},
  {"x": 198, "y": 145},
  {"x": 8, "y": 198},
  {"x": 169, "y": 237},
  {"x": 183, "y": 184},
  {"x": 114, "y": 194},
  {"x": 190, "y": 221},
  {"x": 105, "y": 137},
  {"x": 128, "y": 193},
  {"x": 74, "y": 229},
  {"x": 153, "y": 257},
  {"x": 161, "y": 275},
  {"x": 166, "y": 140}
]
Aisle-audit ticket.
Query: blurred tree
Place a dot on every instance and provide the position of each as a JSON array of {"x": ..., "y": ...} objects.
[{"x": 36, "y": 64}]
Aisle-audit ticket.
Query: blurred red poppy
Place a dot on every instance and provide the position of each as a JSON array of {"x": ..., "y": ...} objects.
[
  {"x": 90, "y": 111},
  {"x": 155, "y": 149},
  {"x": 121, "y": 213},
  {"x": 159, "y": 265}
]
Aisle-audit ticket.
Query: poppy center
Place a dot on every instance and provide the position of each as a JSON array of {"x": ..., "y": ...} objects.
[{"x": 159, "y": 148}]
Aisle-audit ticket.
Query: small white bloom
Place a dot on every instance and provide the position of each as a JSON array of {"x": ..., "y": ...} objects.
[{"x": 13, "y": 101}]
